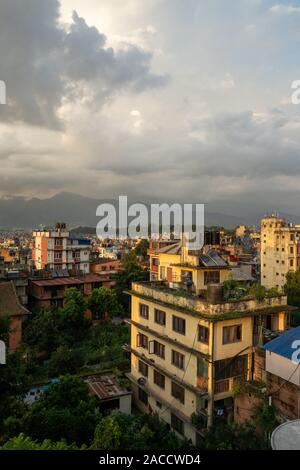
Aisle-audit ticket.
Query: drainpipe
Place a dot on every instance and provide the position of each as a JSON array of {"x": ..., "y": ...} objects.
[{"x": 211, "y": 381}]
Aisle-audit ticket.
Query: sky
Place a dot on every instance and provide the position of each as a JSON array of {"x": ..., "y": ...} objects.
[{"x": 165, "y": 100}]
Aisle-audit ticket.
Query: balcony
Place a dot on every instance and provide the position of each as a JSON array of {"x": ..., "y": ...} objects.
[{"x": 227, "y": 385}]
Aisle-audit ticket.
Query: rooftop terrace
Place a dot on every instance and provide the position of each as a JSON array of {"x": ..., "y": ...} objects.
[{"x": 161, "y": 293}]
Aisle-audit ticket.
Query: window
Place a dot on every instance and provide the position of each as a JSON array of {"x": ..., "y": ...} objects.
[
  {"x": 159, "y": 317},
  {"x": 179, "y": 325},
  {"x": 159, "y": 379},
  {"x": 143, "y": 397},
  {"x": 211, "y": 277},
  {"x": 203, "y": 334},
  {"x": 157, "y": 348},
  {"x": 144, "y": 311},
  {"x": 177, "y": 424},
  {"x": 142, "y": 341},
  {"x": 233, "y": 367},
  {"x": 177, "y": 359},
  {"x": 291, "y": 262},
  {"x": 162, "y": 272},
  {"x": 232, "y": 334},
  {"x": 177, "y": 392},
  {"x": 143, "y": 368}
]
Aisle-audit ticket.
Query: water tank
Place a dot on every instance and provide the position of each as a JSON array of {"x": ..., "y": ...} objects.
[{"x": 214, "y": 293}]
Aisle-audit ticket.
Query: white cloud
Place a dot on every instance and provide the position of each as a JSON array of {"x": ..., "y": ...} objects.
[{"x": 285, "y": 9}]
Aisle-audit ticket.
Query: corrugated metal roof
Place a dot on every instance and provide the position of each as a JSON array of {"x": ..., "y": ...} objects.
[
  {"x": 61, "y": 281},
  {"x": 283, "y": 344},
  {"x": 105, "y": 386}
]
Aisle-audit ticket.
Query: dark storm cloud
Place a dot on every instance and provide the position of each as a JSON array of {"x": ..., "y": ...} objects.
[{"x": 42, "y": 63}]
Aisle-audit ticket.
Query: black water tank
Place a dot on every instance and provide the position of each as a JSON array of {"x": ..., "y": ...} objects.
[{"x": 214, "y": 293}]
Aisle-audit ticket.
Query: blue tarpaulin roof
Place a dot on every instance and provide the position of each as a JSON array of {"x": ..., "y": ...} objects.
[{"x": 283, "y": 344}]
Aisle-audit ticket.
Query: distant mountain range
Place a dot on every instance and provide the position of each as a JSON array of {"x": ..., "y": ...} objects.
[{"x": 77, "y": 210}]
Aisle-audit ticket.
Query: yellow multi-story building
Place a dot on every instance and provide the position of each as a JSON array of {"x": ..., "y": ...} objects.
[
  {"x": 280, "y": 250},
  {"x": 188, "y": 348},
  {"x": 173, "y": 262}
]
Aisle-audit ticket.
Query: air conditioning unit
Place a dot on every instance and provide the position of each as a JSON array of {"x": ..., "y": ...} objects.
[{"x": 142, "y": 381}]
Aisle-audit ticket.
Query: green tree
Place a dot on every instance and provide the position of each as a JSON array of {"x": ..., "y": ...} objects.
[
  {"x": 72, "y": 315},
  {"x": 4, "y": 327},
  {"x": 14, "y": 382},
  {"x": 230, "y": 436},
  {"x": 65, "y": 411},
  {"x": 64, "y": 360},
  {"x": 265, "y": 419},
  {"x": 103, "y": 303},
  {"x": 131, "y": 432},
  {"x": 130, "y": 272},
  {"x": 292, "y": 288},
  {"x": 41, "y": 331},
  {"x": 141, "y": 248},
  {"x": 23, "y": 442}
]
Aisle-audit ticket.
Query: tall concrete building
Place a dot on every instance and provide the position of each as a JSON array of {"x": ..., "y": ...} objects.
[
  {"x": 189, "y": 346},
  {"x": 280, "y": 250},
  {"x": 56, "y": 249}
]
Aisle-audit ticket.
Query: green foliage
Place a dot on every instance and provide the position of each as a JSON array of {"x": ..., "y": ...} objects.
[
  {"x": 292, "y": 288},
  {"x": 142, "y": 248},
  {"x": 258, "y": 291},
  {"x": 230, "y": 436},
  {"x": 103, "y": 346},
  {"x": 65, "y": 411},
  {"x": 41, "y": 331},
  {"x": 23, "y": 442},
  {"x": 295, "y": 319},
  {"x": 130, "y": 272},
  {"x": 64, "y": 360},
  {"x": 14, "y": 382},
  {"x": 103, "y": 303},
  {"x": 71, "y": 316},
  {"x": 5, "y": 322},
  {"x": 265, "y": 418},
  {"x": 273, "y": 292},
  {"x": 143, "y": 432},
  {"x": 233, "y": 290}
]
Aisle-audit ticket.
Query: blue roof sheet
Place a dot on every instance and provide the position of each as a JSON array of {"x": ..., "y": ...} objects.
[{"x": 283, "y": 344}]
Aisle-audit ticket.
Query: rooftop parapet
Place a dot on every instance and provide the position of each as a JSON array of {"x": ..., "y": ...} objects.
[{"x": 160, "y": 292}]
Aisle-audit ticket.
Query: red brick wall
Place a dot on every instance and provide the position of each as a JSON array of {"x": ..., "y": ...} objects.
[
  {"x": 284, "y": 396},
  {"x": 244, "y": 406}
]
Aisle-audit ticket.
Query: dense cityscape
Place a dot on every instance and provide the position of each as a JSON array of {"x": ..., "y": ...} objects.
[
  {"x": 149, "y": 233},
  {"x": 111, "y": 337}
]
